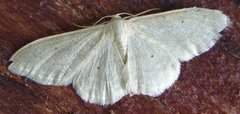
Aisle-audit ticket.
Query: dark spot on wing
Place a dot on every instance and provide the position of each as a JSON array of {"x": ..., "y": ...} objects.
[
  {"x": 152, "y": 56},
  {"x": 98, "y": 67}
]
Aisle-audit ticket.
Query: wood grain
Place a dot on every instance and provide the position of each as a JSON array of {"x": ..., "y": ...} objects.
[{"x": 209, "y": 83}]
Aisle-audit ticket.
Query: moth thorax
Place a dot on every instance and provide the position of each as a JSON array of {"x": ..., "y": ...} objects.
[{"x": 120, "y": 33}]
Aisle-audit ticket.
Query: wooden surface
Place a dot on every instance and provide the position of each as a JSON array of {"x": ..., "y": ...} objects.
[{"x": 209, "y": 83}]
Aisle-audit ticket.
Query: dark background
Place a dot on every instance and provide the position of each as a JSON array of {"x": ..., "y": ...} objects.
[{"x": 209, "y": 83}]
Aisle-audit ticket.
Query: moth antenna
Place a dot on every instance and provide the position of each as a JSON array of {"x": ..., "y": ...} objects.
[
  {"x": 146, "y": 11},
  {"x": 125, "y": 13},
  {"x": 105, "y": 22},
  {"x": 108, "y": 16},
  {"x": 80, "y": 26}
]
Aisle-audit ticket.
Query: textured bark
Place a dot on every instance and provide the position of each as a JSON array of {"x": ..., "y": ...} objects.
[{"x": 209, "y": 83}]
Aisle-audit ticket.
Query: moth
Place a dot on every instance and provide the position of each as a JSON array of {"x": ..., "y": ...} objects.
[{"x": 139, "y": 55}]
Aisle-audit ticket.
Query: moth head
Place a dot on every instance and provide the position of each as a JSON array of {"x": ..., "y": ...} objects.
[
  {"x": 117, "y": 21},
  {"x": 116, "y": 17}
]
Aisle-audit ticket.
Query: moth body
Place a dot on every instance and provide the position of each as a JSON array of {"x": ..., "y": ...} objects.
[{"x": 140, "y": 55}]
